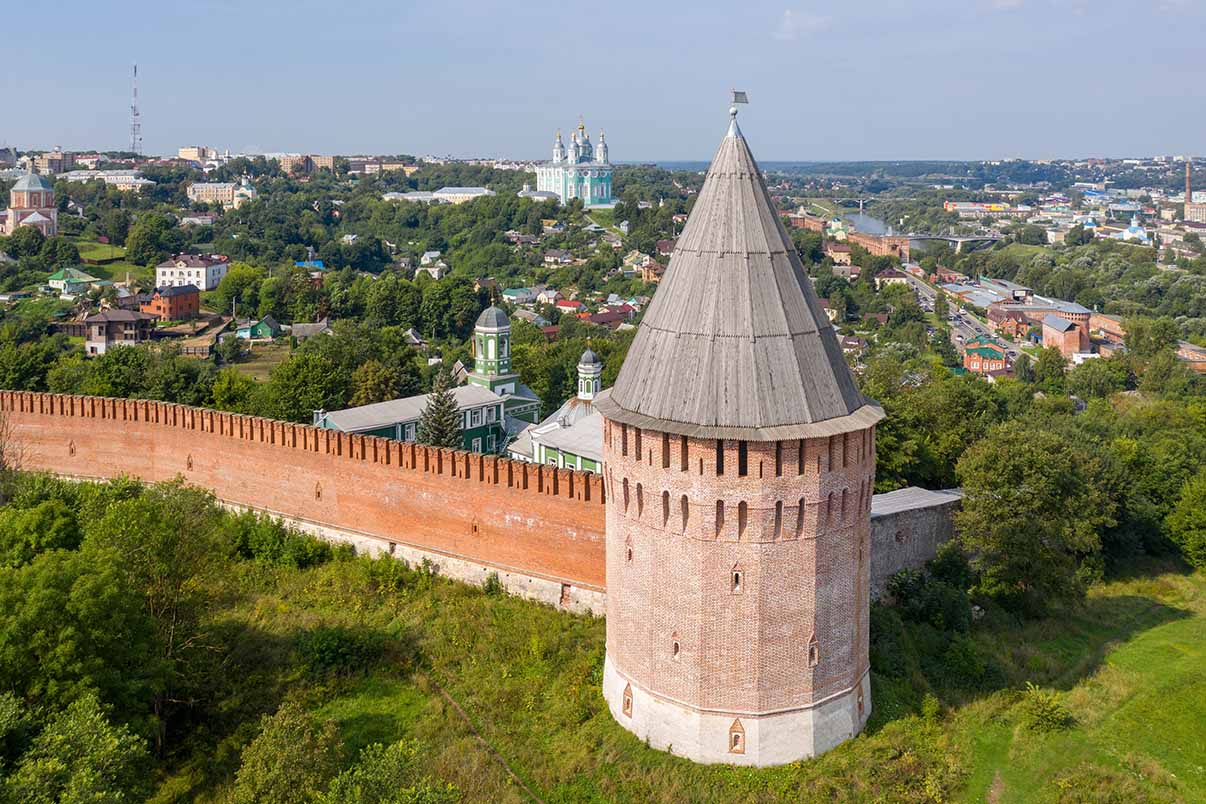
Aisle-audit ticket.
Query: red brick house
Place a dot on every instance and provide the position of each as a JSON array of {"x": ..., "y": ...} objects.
[
  {"x": 179, "y": 303},
  {"x": 1008, "y": 323},
  {"x": 984, "y": 355}
]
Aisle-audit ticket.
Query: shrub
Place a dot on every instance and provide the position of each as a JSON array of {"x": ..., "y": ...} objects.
[
  {"x": 922, "y": 598},
  {"x": 384, "y": 775},
  {"x": 265, "y": 539},
  {"x": 1187, "y": 522},
  {"x": 290, "y": 760},
  {"x": 340, "y": 650},
  {"x": 887, "y": 641},
  {"x": 1043, "y": 712},
  {"x": 493, "y": 585}
]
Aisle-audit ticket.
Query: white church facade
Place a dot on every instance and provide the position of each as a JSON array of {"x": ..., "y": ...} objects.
[{"x": 581, "y": 171}]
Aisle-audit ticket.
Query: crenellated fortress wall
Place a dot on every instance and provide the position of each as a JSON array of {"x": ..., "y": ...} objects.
[{"x": 540, "y": 528}]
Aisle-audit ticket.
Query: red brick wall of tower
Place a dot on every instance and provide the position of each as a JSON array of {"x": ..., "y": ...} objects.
[{"x": 796, "y": 528}]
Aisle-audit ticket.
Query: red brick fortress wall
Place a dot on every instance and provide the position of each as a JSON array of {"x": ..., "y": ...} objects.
[{"x": 537, "y": 521}]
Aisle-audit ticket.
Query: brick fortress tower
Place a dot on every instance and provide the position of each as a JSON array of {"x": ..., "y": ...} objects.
[{"x": 740, "y": 458}]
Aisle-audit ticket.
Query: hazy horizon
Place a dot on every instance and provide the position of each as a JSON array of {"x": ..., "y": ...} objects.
[{"x": 882, "y": 81}]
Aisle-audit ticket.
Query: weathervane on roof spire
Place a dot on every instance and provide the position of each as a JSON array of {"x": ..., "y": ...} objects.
[{"x": 738, "y": 97}]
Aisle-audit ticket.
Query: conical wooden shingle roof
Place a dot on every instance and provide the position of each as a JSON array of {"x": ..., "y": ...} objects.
[{"x": 734, "y": 343}]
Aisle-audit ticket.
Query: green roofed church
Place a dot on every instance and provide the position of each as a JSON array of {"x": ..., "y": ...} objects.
[{"x": 493, "y": 403}]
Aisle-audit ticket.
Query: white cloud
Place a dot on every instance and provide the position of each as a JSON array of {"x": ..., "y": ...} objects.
[{"x": 794, "y": 24}]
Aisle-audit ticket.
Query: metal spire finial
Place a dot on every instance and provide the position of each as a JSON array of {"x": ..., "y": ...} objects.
[{"x": 738, "y": 97}]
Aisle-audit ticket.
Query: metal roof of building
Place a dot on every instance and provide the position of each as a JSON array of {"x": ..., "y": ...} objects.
[
  {"x": 31, "y": 181},
  {"x": 584, "y": 437},
  {"x": 493, "y": 318},
  {"x": 734, "y": 343},
  {"x": 384, "y": 414},
  {"x": 908, "y": 499},
  {"x": 1055, "y": 322}
]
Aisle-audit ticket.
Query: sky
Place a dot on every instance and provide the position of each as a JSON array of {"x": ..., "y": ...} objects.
[{"x": 879, "y": 79}]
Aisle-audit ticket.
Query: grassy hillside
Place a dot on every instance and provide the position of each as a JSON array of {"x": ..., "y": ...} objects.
[
  {"x": 526, "y": 677},
  {"x": 499, "y": 697}
]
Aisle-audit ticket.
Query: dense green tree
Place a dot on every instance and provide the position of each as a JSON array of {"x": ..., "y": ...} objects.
[
  {"x": 1099, "y": 378},
  {"x": 1033, "y": 510},
  {"x": 1146, "y": 337},
  {"x": 115, "y": 225},
  {"x": 169, "y": 545},
  {"x": 69, "y": 624},
  {"x": 58, "y": 252},
  {"x": 240, "y": 289},
  {"x": 304, "y": 383},
  {"x": 440, "y": 424},
  {"x": 374, "y": 382},
  {"x": 386, "y": 775},
  {"x": 1049, "y": 370},
  {"x": 152, "y": 239},
  {"x": 26, "y": 532},
  {"x": 1187, "y": 522},
  {"x": 235, "y": 391},
  {"x": 26, "y": 241},
  {"x": 81, "y": 757},
  {"x": 1032, "y": 235},
  {"x": 290, "y": 760}
]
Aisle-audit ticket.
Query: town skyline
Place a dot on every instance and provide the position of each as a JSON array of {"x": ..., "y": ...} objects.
[{"x": 988, "y": 80}]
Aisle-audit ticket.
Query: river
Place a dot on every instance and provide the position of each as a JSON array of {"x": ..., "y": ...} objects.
[{"x": 866, "y": 224}]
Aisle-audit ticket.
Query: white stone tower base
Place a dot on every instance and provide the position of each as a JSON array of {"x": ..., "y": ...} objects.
[{"x": 771, "y": 738}]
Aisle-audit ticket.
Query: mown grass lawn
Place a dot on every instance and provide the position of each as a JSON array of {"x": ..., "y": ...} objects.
[
  {"x": 263, "y": 358},
  {"x": 528, "y": 716}
]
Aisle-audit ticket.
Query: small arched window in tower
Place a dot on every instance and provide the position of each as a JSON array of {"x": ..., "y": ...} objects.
[
  {"x": 683, "y": 505},
  {"x": 625, "y": 495},
  {"x": 624, "y": 440},
  {"x": 720, "y": 456},
  {"x": 719, "y": 517},
  {"x": 736, "y": 738},
  {"x": 814, "y": 652},
  {"x": 675, "y": 649},
  {"x": 800, "y": 457},
  {"x": 640, "y": 501},
  {"x": 665, "y": 450},
  {"x": 778, "y": 459},
  {"x": 637, "y": 440},
  {"x": 778, "y": 518},
  {"x": 626, "y": 705},
  {"x": 683, "y": 457},
  {"x": 665, "y": 508},
  {"x": 628, "y": 551},
  {"x": 736, "y": 579},
  {"x": 742, "y": 516},
  {"x": 800, "y": 519},
  {"x": 743, "y": 458}
]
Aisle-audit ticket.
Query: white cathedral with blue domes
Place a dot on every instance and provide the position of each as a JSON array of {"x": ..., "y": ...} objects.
[{"x": 583, "y": 171}]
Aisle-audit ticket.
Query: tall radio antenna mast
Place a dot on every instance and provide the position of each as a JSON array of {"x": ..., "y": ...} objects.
[{"x": 135, "y": 122}]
